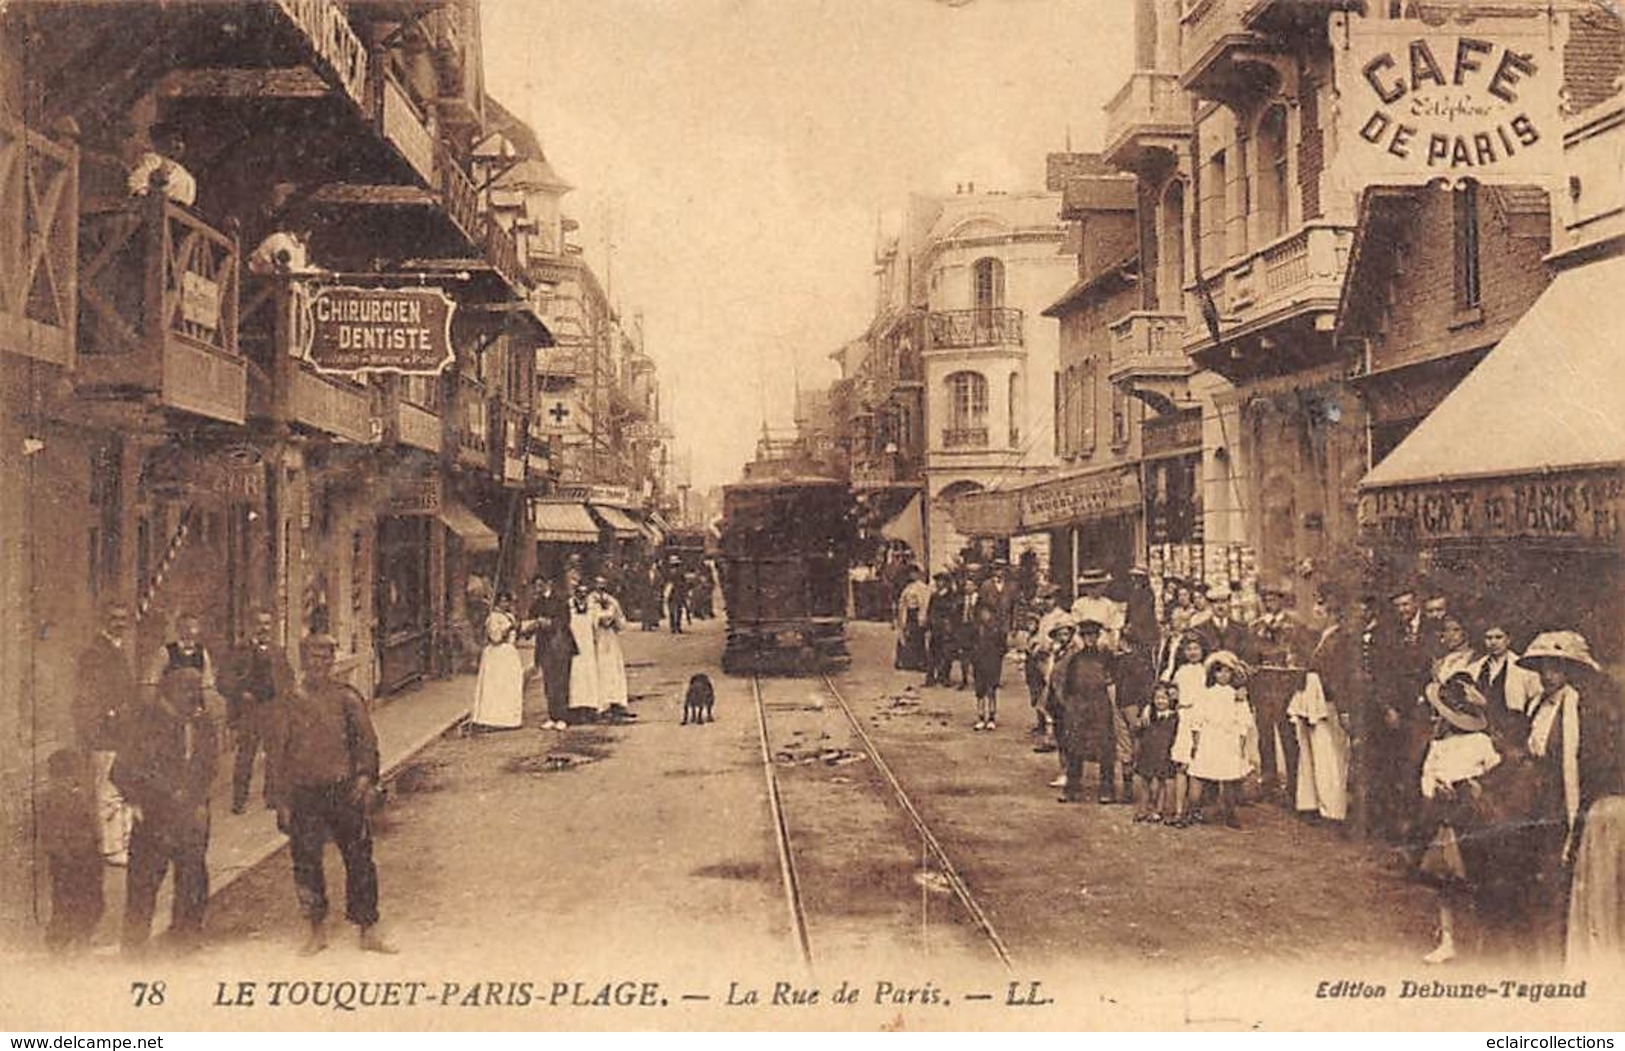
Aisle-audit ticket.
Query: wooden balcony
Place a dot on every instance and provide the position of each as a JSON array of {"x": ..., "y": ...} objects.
[
  {"x": 413, "y": 418},
  {"x": 158, "y": 308},
  {"x": 980, "y": 327},
  {"x": 39, "y": 245},
  {"x": 1293, "y": 277},
  {"x": 1148, "y": 345},
  {"x": 288, "y": 390},
  {"x": 1148, "y": 121},
  {"x": 403, "y": 126},
  {"x": 459, "y": 196}
]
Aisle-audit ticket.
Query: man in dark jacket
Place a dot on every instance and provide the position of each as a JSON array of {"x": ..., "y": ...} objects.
[
  {"x": 105, "y": 692},
  {"x": 1083, "y": 709},
  {"x": 550, "y": 613},
  {"x": 323, "y": 760},
  {"x": 257, "y": 677},
  {"x": 964, "y": 629},
  {"x": 166, "y": 765}
]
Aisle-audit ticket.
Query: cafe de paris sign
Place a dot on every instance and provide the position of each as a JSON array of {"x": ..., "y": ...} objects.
[
  {"x": 1466, "y": 99},
  {"x": 354, "y": 330}
]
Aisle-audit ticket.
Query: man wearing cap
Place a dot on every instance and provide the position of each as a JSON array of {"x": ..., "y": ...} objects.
[
  {"x": 1273, "y": 650},
  {"x": 322, "y": 759},
  {"x": 1093, "y": 604},
  {"x": 999, "y": 595}
]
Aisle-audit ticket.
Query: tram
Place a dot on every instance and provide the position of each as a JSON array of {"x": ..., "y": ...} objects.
[{"x": 786, "y": 544}]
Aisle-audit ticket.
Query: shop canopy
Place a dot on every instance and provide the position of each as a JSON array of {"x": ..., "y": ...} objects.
[
  {"x": 1549, "y": 397},
  {"x": 623, "y": 525},
  {"x": 563, "y": 523},
  {"x": 477, "y": 537}
]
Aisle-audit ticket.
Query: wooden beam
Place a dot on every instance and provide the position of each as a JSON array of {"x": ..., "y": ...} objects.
[
  {"x": 297, "y": 82},
  {"x": 389, "y": 196}
]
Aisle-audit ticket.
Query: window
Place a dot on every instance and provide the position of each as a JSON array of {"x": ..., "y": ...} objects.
[
  {"x": 1085, "y": 415},
  {"x": 1119, "y": 415},
  {"x": 967, "y": 410},
  {"x": 1013, "y": 407},
  {"x": 1171, "y": 251},
  {"x": 1466, "y": 245},
  {"x": 1274, "y": 197},
  {"x": 988, "y": 275},
  {"x": 1214, "y": 213}
]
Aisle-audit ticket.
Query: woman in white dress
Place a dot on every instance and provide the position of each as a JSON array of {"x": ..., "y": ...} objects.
[
  {"x": 585, "y": 703},
  {"x": 499, "y": 692},
  {"x": 608, "y": 622}
]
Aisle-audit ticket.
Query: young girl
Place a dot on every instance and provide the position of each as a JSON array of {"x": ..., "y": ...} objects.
[
  {"x": 1190, "y": 682},
  {"x": 1154, "y": 763},
  {"x": 1461, "y": 751},
  {"x": 987, "y": 665},
  {"x": 1222, "y": 718}
]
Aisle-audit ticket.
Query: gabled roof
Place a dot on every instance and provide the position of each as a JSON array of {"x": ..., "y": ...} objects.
[
  {"x": 1098, "y": 193},
  {"x": 1109, "y": 279}
]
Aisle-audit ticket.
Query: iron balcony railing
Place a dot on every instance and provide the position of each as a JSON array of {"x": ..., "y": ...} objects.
[{"x": 978, "y": 327}]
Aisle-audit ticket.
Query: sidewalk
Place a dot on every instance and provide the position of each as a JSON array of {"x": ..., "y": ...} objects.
[{"x": 406, "y": 722}]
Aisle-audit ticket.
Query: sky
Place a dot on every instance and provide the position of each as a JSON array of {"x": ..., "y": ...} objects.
[{"x": 732, "y": 160}]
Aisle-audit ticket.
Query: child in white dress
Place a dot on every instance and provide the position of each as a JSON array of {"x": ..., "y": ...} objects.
[{"x": 1222, "y": 718}]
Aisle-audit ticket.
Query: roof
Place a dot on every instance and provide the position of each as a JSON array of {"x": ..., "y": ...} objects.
[
  {"x": 1548, "y": 397},
  {"x": 563, "y": 523},
  {"x": 1098, "y": 193},
  {"x": 1122, "y": 272},
  {"x": 533, "y": 174}
]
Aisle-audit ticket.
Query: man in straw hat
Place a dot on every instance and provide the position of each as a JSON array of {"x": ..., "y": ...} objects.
[
  {"x": 1273, "y": 653},
  {"x": 1093, "y": 604}
]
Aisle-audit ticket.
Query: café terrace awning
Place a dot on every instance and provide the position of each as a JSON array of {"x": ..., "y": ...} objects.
[
  {"x": 563, "y": 523},
  {"x": 477, "y": 537},
  {"x": 1549, "y": 397}
]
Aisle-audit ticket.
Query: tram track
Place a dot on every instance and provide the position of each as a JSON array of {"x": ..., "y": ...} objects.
[{"x": 889, "y": 794}]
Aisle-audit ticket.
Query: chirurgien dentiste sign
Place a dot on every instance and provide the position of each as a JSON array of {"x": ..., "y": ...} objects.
[
  {"x": 379, "y": 329},
  {"x": 1473, "y": 98}
]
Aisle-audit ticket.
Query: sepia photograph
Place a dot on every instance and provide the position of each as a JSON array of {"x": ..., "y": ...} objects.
[{"x": 812, "y": 515}]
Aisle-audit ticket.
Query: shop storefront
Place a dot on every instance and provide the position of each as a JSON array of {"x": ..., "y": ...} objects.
[
  {"x": 1509, "y": 496},
  {"x": 410, "y": 552},
  {"x": 1093, "y": 521}
]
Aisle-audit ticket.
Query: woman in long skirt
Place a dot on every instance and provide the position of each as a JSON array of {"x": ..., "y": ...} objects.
[
  {"x": 499, "y": 692},
  {"x": 608, "y": 622}
]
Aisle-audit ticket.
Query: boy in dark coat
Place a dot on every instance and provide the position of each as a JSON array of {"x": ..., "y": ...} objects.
[{"x": 987, "y": 665}]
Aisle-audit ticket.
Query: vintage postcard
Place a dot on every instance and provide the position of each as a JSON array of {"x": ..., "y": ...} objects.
[{"x": 760, "y": 515}]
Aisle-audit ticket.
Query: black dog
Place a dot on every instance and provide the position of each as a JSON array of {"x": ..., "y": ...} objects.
[{"x": 699, "y": 700}]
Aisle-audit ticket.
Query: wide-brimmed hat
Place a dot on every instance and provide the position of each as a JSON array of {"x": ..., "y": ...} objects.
[
  {"x": 1275, "y": 587},
  {"x": 1090, "y": 624},
  {"x": 1459, "y": 702},
  {"x": 1094, "y": 578},
  {"x": 1065, "y": 622},
  {"x": 1228, "y": 660},
  {"x": 1218, "y": 592},
  {"x": 1140, "y": 569},
  {"x": 1568, "y": 646}
]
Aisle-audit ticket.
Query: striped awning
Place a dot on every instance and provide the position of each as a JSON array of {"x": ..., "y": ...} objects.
[
  {"x": 477, "y": 537},
  {"x": 563, "y": 523},
  {"x": 617, "y": 521}
]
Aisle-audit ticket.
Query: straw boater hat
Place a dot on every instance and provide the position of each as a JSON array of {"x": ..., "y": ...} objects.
[
  {"x": 1567, "y": 646},
  {"x": 1229, "y": 660},
  {"x": 1094, "y": 578},
  {"x": 1063, "y": 623},
  {"x": 1459, "y": 702},
  {"x": 1218, "y": 591}
]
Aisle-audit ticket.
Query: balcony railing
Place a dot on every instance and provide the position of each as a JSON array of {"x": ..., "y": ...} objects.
[
  {"x": 459, "y": 196},
  {"x": 503, "y": 252},
  {"x": 1298, "y": 274},
  {"x": 964, "y": 437},
  {"x": 980, "y": 327},
  {"x": 1148, "y": 112},
  {"x": 474, "y": 423},
  {"x": 39, "y": 244},
  {"x": 158, "y": 307},
  {"x": 285, "y": 389},
  {"x": 1212, "y": 30},
  {"x": 1148, "y": 344}
]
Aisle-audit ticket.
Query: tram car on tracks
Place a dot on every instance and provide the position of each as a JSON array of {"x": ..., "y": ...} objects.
[{"x": 786, "y": 545}]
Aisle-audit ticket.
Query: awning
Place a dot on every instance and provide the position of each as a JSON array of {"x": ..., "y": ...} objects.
[
  {"x": 1547, "y": 398},
  {"x": 619, "y": 522},
  {"x": 651, "y": 531},
  {"x": 563, "y": 523},
  {"x": 477, "y": 537}
]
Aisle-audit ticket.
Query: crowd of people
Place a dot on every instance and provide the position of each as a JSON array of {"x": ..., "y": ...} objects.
[
  {"x": 135, "y": 791},
  {"x": 1495, "y": 775}
]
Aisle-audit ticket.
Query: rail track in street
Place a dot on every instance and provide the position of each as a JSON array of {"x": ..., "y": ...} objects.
[{"x": 859, "y": 864}]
